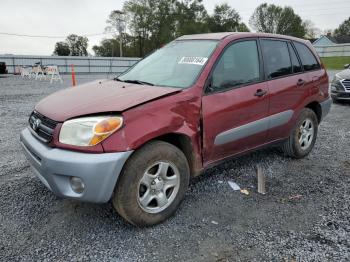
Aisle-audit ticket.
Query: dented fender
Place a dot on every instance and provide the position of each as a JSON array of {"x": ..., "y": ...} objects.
[{"x": 175, "y": 114}]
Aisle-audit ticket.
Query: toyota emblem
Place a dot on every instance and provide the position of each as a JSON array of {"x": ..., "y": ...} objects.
[{"x": 36, "y": 124}]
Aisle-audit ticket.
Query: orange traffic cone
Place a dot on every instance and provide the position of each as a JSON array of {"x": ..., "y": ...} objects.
[{"x": 73, "y": 75}]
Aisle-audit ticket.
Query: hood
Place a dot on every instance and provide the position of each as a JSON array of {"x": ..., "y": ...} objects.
[
  {"x": 98, "y": 97},
  {"x": 345, "y": 74}
]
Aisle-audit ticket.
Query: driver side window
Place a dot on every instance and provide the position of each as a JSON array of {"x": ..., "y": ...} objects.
[{"x": 238, "y": 65}]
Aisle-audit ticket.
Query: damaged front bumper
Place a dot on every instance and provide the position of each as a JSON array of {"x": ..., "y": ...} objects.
[{"x": 56, "y": 167}]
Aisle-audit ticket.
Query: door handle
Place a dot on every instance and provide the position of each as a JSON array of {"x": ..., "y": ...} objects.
[
  {"x": 301, "y": 82},
  {"x": 260, "y": 92}
]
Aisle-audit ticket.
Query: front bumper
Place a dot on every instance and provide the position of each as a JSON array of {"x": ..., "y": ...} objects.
[
  {"x": 340, "y": 95},
  {"x": 55, "y": 167},
  {"x": 326, "y": 107}
]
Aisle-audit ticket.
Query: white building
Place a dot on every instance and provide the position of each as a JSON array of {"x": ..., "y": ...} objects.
[{"x": 328, "y": 46}]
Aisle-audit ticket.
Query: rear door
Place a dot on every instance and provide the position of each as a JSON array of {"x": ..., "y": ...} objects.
[
  {"x": 287, "y": 83},
  {"x": 317, "y": 76},
  {"x": 235, "y": 103}
]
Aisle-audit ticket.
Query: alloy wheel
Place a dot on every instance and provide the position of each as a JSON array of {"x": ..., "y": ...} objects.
[
  {"x": 158, "y": 187},
  {"x": 306, "y": 134}
]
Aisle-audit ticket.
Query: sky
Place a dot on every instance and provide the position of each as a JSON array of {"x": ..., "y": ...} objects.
[{"x": 85, "y": 17}]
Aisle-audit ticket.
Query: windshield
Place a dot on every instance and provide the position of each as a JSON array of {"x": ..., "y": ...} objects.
[{"x": 177, "y": 64}]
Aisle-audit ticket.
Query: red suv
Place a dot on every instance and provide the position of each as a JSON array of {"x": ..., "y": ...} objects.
[{"x": 201, "y": 99}]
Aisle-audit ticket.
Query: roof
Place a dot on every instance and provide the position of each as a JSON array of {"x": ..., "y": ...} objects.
[
  {"x": 323, "y": 41},
  {"x": 210, "y": 36},
  {"x": 222, "y": 35},
  {"x": 344, "y": 39},
  {"x": 332, "y": 40}
]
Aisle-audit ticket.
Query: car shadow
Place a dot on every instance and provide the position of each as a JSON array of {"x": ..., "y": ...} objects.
[
  {"x": 342, "y": 103},
  {"x": 44, "y": 208},
  {"x": 105, "y": 217},
  {"x": 243, "y": 162},
  {"x": 249, "y": 160}
]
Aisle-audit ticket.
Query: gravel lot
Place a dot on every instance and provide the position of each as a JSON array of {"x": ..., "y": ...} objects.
[{"x": 303, "y": 217}]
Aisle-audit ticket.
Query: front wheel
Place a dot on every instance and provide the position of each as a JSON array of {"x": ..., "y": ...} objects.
[
  {"x": 152, "y": 185},
  {"x": 303, "y": 137}
]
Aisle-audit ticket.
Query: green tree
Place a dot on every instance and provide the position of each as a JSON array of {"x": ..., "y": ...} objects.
[
  {"x": 163, "y": 22},
  {"x": 191, "y": 17},
  {"x": 107, "y": 48},
  {"x": 74, "y": 45},
  {"x": 110, "y": 47},
  {"x": 61, "y": 49},
  {"x": 277, "y": 20},
  {"x": 77, "y": 45},
  {"x": 343, "y": 29},
  {"x": 150, "y": 22},
  {"x": 242, "y": 27},
  {"x": 139, "y": 21},
  {"x": 225, "y": 19}
]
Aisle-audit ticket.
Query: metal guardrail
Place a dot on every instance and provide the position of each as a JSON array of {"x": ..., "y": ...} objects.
[{"x": 81, "y": 64}]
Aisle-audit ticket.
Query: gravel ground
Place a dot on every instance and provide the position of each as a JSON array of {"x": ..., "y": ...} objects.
[{"x": 303, "y": 217}]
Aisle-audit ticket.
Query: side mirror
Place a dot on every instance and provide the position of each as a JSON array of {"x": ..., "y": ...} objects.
[{"x": 347, "y": 66}]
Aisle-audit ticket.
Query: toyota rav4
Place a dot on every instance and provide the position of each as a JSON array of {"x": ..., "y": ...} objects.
[{"x": 201, "y": 99}]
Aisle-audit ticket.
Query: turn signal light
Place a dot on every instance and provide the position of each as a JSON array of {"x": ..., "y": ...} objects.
[{"x": 105, "y": 128}]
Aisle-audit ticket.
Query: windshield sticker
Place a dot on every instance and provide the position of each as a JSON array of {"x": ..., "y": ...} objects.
[{"x": 193, "y": 60}]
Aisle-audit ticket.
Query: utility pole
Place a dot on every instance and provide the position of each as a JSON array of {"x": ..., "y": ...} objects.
[{"x": 120, "y": 28}]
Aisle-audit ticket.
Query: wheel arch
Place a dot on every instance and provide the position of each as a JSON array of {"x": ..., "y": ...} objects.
[
  {"x": 316, "y": 107},
  {"x": 185, "y": 144}
]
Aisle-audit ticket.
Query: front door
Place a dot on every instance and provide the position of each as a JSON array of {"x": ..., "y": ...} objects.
[{"x": 236, "y": 102}]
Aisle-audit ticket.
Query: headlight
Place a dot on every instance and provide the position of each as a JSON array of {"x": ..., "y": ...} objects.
[
  {"x": 89, "y": 131},
  {"x": 336, "y": 84}
]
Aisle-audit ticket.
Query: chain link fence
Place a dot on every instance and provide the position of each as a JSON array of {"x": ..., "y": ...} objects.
[{"x": 86, "y": 65}]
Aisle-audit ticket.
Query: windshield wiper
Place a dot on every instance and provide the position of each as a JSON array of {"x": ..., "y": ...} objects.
[{"x": 139, "y": 82}]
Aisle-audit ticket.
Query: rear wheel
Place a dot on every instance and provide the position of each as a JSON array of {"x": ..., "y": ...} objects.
[
  {"x": 152, "y": 185},
  {"x": 303, "y": 137}
]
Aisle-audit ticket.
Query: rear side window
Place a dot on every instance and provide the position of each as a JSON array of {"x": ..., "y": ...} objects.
[
  {"x": 295, "y": 61},
  {"x": 276, "y": 57},
  {"x": 307, "y": 58},
  {"x": 238, "y": 65}
]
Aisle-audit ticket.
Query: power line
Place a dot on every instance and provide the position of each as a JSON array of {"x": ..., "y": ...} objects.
[
  {"x": 339, "y": 13},
  {"x": 245, "y": 11},
  {"x": 299, "y": 4},
  {"x": 308, "y": 11},
  {"x": 54, "y": 37},
  {"x": 37, "y": 36},
  {"x": 323, "y": 9}
]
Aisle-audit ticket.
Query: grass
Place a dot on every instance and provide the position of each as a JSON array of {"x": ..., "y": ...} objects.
[{"x": 336, "y": 62}]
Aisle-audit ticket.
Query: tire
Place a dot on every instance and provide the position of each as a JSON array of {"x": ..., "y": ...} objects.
[
  {"x": 335, "y": 100},
  {"x": 300, "y": 143},
  {"x": 139, "y": 196}
]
